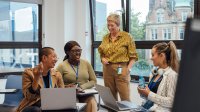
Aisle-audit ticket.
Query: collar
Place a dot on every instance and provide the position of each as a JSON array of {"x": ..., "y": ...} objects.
[
  {"x": 52, "y": 73},
  {"x": 167, "y": 70},
  {"x": 120, "y": 34}
]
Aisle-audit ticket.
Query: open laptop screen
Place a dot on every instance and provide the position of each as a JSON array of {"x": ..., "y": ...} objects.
[{"x": 58, "y": 98}]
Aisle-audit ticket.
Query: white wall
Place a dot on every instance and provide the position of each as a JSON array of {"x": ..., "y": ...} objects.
[
  {"x": 65, "y": 20},
  {"x": 53, "y": 25}
]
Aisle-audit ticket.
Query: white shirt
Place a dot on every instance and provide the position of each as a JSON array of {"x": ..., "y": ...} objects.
[{"x": 163, "y": 100}]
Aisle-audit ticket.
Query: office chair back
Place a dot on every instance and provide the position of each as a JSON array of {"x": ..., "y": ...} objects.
[{"x": 14, "y": 82}]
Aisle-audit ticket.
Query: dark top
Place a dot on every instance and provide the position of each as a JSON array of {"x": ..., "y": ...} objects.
[
  {"x": 153, "y": 86},
  {"x": 46, "y": 81}
]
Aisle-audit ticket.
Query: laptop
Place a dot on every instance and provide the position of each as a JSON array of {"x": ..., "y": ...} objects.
[
  {"x": 111, "y": 103},
  {"x": 58, "y": 98}
]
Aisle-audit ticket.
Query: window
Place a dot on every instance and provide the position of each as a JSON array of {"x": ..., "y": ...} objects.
[
  {"x": 20, "y": 23},
  {"x": 154, "y": 34},
  {"x": 98, "y": 65},
  {"x": 18, "y": 58},
  {"x": 103, "y": 9},
  {"x": 153, "y": 23},
  {"x": 167, "y": 34},
  {"x": 181, "y": 33},
  {"x": 184, "y": 16},
  {"x": 19, "y": 34},
  {"x": 160, "y": 16}
]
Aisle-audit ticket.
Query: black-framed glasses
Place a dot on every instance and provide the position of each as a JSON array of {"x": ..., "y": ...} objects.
[{"x": 76, "y": 50}]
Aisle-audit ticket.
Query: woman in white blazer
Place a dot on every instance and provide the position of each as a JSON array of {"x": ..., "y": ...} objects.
[{"x": 164, "y": 56}]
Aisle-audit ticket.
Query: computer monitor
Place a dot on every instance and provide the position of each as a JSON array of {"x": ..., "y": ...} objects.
[{"x": 187, "y": 97}]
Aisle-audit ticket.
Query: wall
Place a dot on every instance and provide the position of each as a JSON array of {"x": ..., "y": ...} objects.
[{"x": 65, "y": 20}]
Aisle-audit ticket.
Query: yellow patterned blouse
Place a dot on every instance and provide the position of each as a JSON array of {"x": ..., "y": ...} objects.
[{"x": 121, "y": 50}]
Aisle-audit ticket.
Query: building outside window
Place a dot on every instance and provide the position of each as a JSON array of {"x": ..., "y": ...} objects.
[
  {"x": 154, "y": 34},
  {"x": 181, "y": 33},
  {"x": 157, "y": 20},
  {"x": 160, "y": 16},
  {"x": 167, "y": 33},
  {"x": 184, "y": 16}
]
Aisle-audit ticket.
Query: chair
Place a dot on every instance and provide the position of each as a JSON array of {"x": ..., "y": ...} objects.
[{"x": 12, "y": 100}]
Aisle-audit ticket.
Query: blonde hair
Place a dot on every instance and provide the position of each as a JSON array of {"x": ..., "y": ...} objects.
[
  {"x": 115, "y": 18},
  {"x": 170, "y": 51}
]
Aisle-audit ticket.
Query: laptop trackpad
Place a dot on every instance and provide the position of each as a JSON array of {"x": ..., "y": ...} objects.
[{"x": 126, "y": 105}]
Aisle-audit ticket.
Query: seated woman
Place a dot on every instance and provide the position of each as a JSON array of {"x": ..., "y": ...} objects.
[
  {"x": 78, "y": 71},
  {"x": 165, "y": 57},
  {"x": 42, "y": 76}
]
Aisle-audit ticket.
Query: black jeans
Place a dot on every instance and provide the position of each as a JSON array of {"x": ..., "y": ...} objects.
[{"x": 32, "y": 109}]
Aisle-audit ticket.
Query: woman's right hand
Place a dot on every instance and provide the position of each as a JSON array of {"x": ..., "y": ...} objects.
[
  {"x": 144, "y": 91},
  {"x": 104, "y": 61},
  {"x": 38, "y": 70}
]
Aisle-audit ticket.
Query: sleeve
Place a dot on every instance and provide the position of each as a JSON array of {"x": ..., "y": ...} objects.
[
  {"x": 33, "y": 91},
  {"x": 60, "y": 82},
  {"x": 100, "y": 48},
  {"x": 92, "y": 78},
  {"x": 165, "y": 101},
  {"x": 132, "y": 48},
  {"x": 27, "y": 80},
  {"x": 59, "y": 68}
]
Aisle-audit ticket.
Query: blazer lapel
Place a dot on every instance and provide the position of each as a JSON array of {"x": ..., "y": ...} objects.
[
  {"x": 41, "y": 83},
  {"x": 53, "y": 78}
]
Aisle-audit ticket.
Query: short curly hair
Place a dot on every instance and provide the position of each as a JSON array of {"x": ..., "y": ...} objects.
[{"x": 115, "y": 18}]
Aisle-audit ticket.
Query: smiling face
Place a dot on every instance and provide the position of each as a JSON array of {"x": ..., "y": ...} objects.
[
  {"x": 50, "y": 59},
  {"x": 75, "y": 53},
  {"x": 157, "y": 58},
  {"x": 112, "y": 27}
]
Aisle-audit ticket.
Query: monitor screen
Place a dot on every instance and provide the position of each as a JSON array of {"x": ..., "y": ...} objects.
[{"x": 187, "y": 97}]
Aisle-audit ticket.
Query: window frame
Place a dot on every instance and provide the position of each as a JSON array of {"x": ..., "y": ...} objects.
[
  {"x": 184, "y": 16},
  {"x": 160, "y": 16},
  {"x": 181, "y": 33},
  {"x": 24, "y": 45},
  {"x": 147, "y": 44},
  {"x": 168, "y": 33},
  {"x": 154, "y": 34}
]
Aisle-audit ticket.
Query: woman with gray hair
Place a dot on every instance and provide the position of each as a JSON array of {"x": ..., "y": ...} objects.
[{"x": 118, "y": 54}]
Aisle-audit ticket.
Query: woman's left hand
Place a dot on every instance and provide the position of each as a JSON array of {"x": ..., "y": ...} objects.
[{"x": 144, "y": 91}]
